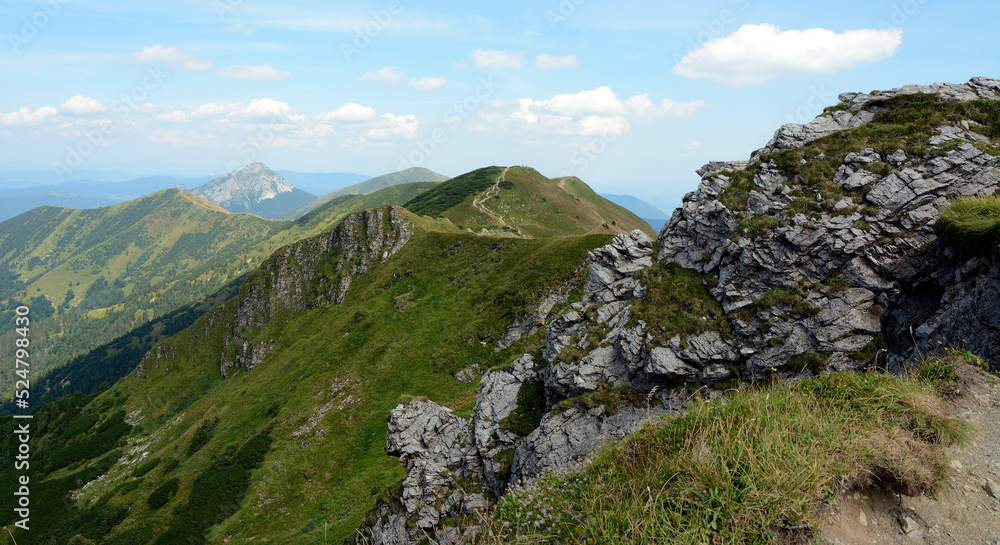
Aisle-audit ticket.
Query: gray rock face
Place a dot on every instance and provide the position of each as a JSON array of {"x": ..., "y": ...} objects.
[
  {"x": 873, "y": 246},
  {"x": 794, "y": 135},
  {"x": 292, "y": 278},
  {"x": 496, "y": 399},
  {"x": 696, "y": 234},
  {"x": 968, "y": 316},
  {"x": 571, "y": 436},
  {"x": 611, "y": 267},
  {"x": 435, "y": 447}
]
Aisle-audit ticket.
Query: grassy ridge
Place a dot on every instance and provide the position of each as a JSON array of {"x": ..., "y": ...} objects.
[
  {"x": 322, "y": 396},
  {"x": 526, "y": 203},
  {"x": 115, "y": 269},
  {"x": 752, "y": 467}
]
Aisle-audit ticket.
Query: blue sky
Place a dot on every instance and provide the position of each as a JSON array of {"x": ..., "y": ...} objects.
[{"x": 631, "y": 96}]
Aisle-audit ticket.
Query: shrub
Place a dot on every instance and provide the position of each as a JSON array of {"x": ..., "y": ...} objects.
[{"x": 161, "y": 496}]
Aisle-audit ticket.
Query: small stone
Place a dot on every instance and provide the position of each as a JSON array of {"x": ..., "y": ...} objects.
[
  {"x": 909, "y": 526},
  {"x": 955, "y": 464},
  {"x": 993, "y": 489},
  {"x": 863, "y": 519}
]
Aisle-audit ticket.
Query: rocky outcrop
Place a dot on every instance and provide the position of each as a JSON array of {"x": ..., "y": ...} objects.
[
  {"x": 437, "y": 449},
  {"x": 813, "y": 278},
  {"x": 820, "y": 283},
  {"x": 308, "y": 274},
  {"x": 495, "y": 401}
]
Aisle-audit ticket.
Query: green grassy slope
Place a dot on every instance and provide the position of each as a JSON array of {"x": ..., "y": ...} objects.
[
  {"x": 408, "y": 176},
  {"x": 319, "y": 401},
  {"x": 110, "y": 270},
  {"x": 524, "y": 203}
]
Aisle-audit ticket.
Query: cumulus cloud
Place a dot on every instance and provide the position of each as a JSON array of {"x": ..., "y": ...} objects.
[
  {"x": 556, "y": 62},
  {"x": 390, "y": 127},
  {"x": 757, "y": 53},
  {"x": 25, "y": 116},
  {"x": 266, "y": 110},
  {"x": 256, "y": 73},
  {"x": 604, "y": 101},
  {"x": 428, "y": 83},
  {"x": 593, "y": 112},
  {"x": 171, "y": 55},
  {"x": 507, "y": 60},
  {"x": 351, "y": 112},
  {"x": 80, "y": 104},
  {"x": 389, "y": 74}
]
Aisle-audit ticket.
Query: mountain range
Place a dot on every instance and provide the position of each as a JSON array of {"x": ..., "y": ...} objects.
[{"x": 442, "y": 359}]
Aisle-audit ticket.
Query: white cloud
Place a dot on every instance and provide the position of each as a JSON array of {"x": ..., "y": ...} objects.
[
  {"x": 146, "y": 108},
  {"x": 80, "y": 104},
  {"x": 642, "y": 106},
  {"x": 6, "y": 134},
  {"x": 599, "y": 101},
  {"x": 390, "y": 126},
  {"x": 508, "y": 60},
  {"x": 596, "y": 126},
  {"x": 239, "y": 29},
  {"x": 320, "y": 130},
  {"x": 428, "y": 83},
  {"x": 587, "y": 113},
  {"x": 696, "y": 145},
  {"x": 214, "y": 110},
  {"x": 351, "y": 112},
  {"x": 556, "y": 62},
  {"x": 388, "y": 74},
  {"x": 257, "y": 73},
  {"x": 757, "y": 53},
  {"x": 174, "y": 56},
  {"x": 175, "y": 116},
  {"x": 25, "y": 116},
  {"x": 266, "y": 110},
  {"x": 604, "y": 101}
]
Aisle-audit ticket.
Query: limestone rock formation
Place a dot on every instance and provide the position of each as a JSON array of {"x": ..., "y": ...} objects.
[{"x": 308, "y": 274}]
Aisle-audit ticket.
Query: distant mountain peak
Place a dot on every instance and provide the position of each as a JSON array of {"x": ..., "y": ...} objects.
[
  {"x": 255, "y": 188},
  {"x": 254, "y": 183}
]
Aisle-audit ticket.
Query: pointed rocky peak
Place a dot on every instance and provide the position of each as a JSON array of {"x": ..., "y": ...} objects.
[{"x": 253, "y": 184}]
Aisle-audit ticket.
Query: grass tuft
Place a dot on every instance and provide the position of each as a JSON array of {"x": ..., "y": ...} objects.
[{"x": 972, "y": 223}]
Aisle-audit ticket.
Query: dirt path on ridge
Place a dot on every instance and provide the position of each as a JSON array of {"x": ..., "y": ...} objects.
[{"x": 965, "y": 512}]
